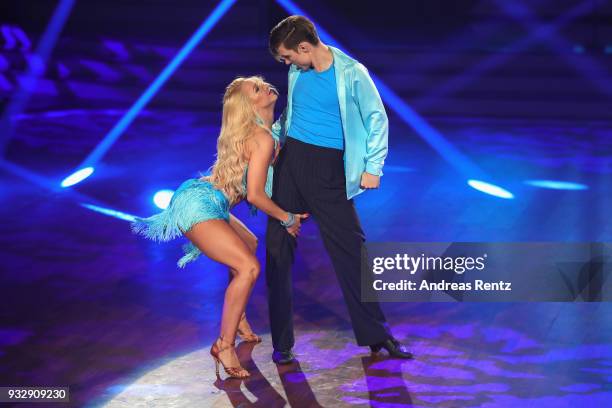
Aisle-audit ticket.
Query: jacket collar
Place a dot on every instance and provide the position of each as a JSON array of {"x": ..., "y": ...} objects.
[{"x": 341, "y": 60}]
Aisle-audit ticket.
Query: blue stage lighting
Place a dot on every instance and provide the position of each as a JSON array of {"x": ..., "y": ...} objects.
[
  {"x": 490, "y": 189},
  {"x": 77, "y": 177},
  {"x": 28, "y": 175},
  {"x": 52, "y": 186},
  {"x": 590, "y": 68},
  {"x": 35, "y": 69},
  {"x": 496, "y": 59},
  {"x": 556, "y": 185},
  {"x": 110, "y": 212},
  {"x": 162, "y": 198},
  {"x": 148, "y": 94}
]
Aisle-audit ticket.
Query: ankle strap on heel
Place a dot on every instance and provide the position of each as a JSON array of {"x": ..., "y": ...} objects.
[{"x": 219, "y": 343}]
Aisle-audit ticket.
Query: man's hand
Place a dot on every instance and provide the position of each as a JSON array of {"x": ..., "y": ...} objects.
[{"x": 369, "y": 181}]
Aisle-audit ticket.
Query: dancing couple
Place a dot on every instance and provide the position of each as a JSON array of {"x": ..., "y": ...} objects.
[{"x": 334, "y": 142}]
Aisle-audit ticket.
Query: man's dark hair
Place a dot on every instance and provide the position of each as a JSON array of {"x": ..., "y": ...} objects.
[{"x": 291, "y": 32}]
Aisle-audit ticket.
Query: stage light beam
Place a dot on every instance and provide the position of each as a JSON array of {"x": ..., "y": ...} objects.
[
  {"x": 110, "y": 212},
  {"x": 35, "y": 69},
  {"x": 557, "y": 185},
  {"x": 111, "y": 137}
]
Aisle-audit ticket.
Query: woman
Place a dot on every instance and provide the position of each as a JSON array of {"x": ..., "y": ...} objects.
[{"x": 200, "y": 208}]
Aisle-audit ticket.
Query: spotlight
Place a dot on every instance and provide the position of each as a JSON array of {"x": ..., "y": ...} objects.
[
  {"x": 77, "y": 177},
  {"x": 491, "y": 189},
  {"x": 556, "y": 185},
  {"x": 162, "y": 198}
]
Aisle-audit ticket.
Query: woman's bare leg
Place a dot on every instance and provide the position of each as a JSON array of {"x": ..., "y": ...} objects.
[
  {"x": 217, "y": 240},
  {"x": 246, "y": 332},
  {"x": 247, "y": 237},
  {"x": 244, "y": 233}
]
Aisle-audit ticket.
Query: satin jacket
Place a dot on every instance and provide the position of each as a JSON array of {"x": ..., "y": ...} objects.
[{"x": 364, "y": 120}]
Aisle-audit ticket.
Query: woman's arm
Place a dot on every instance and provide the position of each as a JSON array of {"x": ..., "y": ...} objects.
[{"x": 261, "y": 148}]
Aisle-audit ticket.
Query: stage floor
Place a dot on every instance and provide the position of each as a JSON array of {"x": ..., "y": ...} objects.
[{"x": 86, "y": 304}]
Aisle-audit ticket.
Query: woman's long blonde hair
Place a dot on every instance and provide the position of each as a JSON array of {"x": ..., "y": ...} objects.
[{"x": 237, "y": 126}]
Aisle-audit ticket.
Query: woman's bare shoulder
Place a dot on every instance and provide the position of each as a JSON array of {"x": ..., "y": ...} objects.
[{"x": 259, "y": 139}]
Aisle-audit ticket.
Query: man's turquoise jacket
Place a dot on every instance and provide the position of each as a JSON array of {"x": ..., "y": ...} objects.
[{"x": 364, "y": 120}]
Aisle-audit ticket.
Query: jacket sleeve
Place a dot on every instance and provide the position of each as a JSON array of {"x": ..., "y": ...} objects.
[{"x": 374, "y": 118}]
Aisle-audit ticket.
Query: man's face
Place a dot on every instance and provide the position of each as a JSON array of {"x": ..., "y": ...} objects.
[{"x": 300, "y": 58}]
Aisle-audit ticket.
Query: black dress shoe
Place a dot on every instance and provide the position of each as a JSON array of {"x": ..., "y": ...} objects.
[
  {"x": 394, "y": 348},
  {"x": 283, "y": 357}
]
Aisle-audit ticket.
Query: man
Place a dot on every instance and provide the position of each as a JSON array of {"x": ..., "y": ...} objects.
[{"x": 335, "y": 132}]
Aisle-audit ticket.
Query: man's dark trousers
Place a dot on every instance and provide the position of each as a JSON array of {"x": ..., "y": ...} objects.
[{"x": 310, "y": 179}]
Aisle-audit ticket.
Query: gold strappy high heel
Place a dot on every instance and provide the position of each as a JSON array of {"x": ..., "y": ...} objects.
[
  {"x": 233, "y": 372},
  {"x": 245, "y": 332}
]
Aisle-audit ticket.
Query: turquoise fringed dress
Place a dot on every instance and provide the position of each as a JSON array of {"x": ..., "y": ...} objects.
[{"x": 196, "y": 200}]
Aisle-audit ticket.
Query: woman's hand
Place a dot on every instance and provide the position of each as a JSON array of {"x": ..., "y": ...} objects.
[{"x": 294, "y": 230}]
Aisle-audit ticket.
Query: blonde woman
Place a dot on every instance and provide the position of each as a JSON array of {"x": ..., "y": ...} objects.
[{"x": 200, "y": 208}]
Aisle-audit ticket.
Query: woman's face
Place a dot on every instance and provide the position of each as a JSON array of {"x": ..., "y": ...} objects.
[{"x": 262, "y": 94}]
